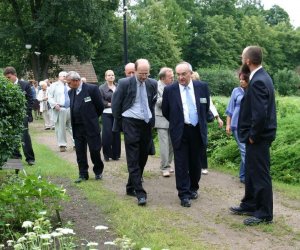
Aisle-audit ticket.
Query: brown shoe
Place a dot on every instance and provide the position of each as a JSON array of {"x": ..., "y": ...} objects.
[{"x": 62, "y": 148}]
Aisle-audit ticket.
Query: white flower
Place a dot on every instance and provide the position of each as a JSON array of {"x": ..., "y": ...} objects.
[
  {"x": 109, "y": 243},
  {"x": 145, "y": 248},
  {"x": 9, "y": 242},
  {"x": 7, "y": 225},
  {"x": 1, "y": 246},
  {"x": 39, "y": 177},
  {"x": 64, "y": 191},
  {"x": 101, "y": 227},
  {"x": 40, "y": 191},
  {"x": 56, "y": 234},
  {"x": 90, "y": 244},
  {"x": 22, "y": 239},
  {"x": 67, "y": 231},
  {"x": 36, "y": 228},
  {"x": 27, "y": 224},
  {"x": 45, "y": 236}
]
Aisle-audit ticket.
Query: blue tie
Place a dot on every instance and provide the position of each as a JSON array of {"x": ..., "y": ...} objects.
[
  {"x": 67, "y": 99},
  {"x": 193, "y": 115},
  {"x": 143, "y": 101}
]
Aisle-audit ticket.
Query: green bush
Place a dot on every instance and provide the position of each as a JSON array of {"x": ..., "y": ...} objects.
[
  {"x": 287, "y": 82},
  {"x": 285, "y": 156},
  {"x": 221, "y": 81},
  {"x": 12, "y": 112},
  {"x": 23, "y": 198}
]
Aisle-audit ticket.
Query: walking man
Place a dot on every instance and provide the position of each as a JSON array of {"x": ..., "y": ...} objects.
[
  {"x": 133, "y": 106},
  {"x": 60, "y": 103},
  {"x": 185, "y": 105},
  {"x": 86, "y": 108}
]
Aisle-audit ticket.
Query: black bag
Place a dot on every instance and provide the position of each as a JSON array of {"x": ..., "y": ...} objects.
[{"x": 209, "y": 116}]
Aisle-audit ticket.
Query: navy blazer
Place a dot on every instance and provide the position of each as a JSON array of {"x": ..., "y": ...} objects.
[
  {"x": 172, "y": 109},
  {"x": 257, "y": 118},
  {"x": 91, "y": 107},
  {"x": 124, "y": 97},
  {"x": 26, "y": 89}
]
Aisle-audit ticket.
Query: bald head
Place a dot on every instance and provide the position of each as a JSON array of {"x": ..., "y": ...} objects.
[
  {"x": 129, "y": 69},
  {"x": 142, "y": 69}
]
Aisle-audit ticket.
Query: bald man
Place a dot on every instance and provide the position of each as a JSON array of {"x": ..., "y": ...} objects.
[
  {"x": 133, "y": 104},
  {"x": 129, "y": 69}
]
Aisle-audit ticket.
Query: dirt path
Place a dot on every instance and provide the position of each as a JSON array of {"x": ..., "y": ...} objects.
[{"x": 218, "y": 192}]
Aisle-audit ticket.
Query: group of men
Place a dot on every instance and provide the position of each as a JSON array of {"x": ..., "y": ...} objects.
[{"x": 181, "y": 108}]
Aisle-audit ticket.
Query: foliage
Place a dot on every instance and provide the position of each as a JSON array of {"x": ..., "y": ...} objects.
[
  {"x": 221, "y": 81},
  {"x": 287, "y": 82},
  {"x": 285, "y": 149},
  {"x": 22, "y": 198},
  {"x": 12, "y": 112},
  {"x": 47, "y": 25}
]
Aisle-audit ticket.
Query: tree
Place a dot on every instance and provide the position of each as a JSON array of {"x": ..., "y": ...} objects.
[
  {"x": 53, "y": 28},
  {"x": 276, "y": 15}
]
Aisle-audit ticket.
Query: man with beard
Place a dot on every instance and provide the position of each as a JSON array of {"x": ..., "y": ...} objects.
[{"x": 257, "y": 128}]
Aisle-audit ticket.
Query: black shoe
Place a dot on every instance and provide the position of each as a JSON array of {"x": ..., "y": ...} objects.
[
  {"x": 31, "y": 163},
  {"x": 240, "y": 211},
  {"x": 142, "y": 201},
  {"x": 131, "y": 193},
  {"x": 81, "y": 179},
  {"x": 98, "y": 176},
  {"x": 194, "y": 195},
  {"x": 185, "y": 202},
  {"x": 255, "y": 221}
]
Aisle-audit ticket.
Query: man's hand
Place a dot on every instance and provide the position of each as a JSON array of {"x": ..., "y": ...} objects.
[
  {"x": 251, "y": 141},
  {"x": 57, "y": 107}
]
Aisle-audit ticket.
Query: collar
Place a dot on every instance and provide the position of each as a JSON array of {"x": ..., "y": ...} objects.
[
  {"x": 16, "y": 82},
  {"x": 190, "y": 86},
  {"x": 253, "y": 72},
  {"x": 79, "y": 88}
]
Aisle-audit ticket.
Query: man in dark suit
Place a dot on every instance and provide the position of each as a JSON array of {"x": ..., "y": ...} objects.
[
  {"x": 86, "y": 107},
  {"x": 133, "y": 108},
  {"x": 11, "y": 74},
  {"x": 185, "y": 105},
  {"x": 257, "y": 128}
]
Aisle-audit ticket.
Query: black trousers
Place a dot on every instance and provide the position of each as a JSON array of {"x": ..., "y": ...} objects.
[
  {"x": 111, "y": 141},
  {"x": 26, "y": 144},
  {"x": 258, "y": 184},
  {"x": 188, "y": 161},
  {"x": 137, "y": 136},
  {"x": 81, "y": 141},
  {"x": 203, "y": 154}
]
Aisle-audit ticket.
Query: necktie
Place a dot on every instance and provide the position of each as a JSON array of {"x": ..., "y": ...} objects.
[
  {"x": 67, "y": 99},
  {"x": 193, "y": 116},
  {"x": 143, "y": 102}
]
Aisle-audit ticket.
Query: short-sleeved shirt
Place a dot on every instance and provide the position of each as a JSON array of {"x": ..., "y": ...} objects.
[{"x": 233, "y": 108}]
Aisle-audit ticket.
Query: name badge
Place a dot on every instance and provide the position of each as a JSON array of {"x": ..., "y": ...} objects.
[
  {"x": 203, "y": 100},
  {"x": 87, "y": 99}
]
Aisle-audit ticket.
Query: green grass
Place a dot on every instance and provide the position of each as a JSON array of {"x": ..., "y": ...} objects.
[{"x": 148, "y": 227}]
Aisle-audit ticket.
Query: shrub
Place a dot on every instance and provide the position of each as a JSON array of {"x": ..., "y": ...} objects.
[
  {"x": 12, "y": 112},
  {"x": 221, "y": 81},
  {"x": 287, "y": 82},
  {"x": 23, "y": 198}
]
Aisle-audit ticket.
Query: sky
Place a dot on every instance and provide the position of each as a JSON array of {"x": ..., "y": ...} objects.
[{"x": 292, "y": 7}]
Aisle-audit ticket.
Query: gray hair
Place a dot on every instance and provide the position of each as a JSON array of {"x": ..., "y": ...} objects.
[
  {"x": 186, "y": 63},
  {"x": 163, "y": 71},
  {"x": 73, "y": 75},
  {"x": 62, "y": 73}
]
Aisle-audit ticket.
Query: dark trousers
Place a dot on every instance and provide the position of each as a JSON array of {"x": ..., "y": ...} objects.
[
  {"x": 203, "y": 154},
  {"x": 26, "y": 144},
  {"x": 137, "y": 136},
  {"x": 111, "y": 141},
  {"x": 258, "y": 184},
  {"x": 81, "y": 141},
  {"x": 188, "y": 161}
]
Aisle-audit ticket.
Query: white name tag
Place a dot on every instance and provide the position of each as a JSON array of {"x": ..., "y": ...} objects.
[
  {"x": 87, "y": 99},
  {"x": 203, "y": 100}
]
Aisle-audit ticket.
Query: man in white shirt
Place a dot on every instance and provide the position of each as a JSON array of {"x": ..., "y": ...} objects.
[{"x": 60, "y": 103}]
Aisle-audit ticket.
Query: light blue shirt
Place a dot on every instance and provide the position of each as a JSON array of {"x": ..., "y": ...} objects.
[
  {"x": 234, "y": 105},
  {"x": 135, "y": 111}
]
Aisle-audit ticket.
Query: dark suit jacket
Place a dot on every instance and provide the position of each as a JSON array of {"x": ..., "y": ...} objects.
[
  {"x": 124, "y": 97},
  {"x": 257, "y": 118},
  {"x": 90, "y": 109},
  {"x": 26, "y": 89},
  {"x": 172, "y": 109}
]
